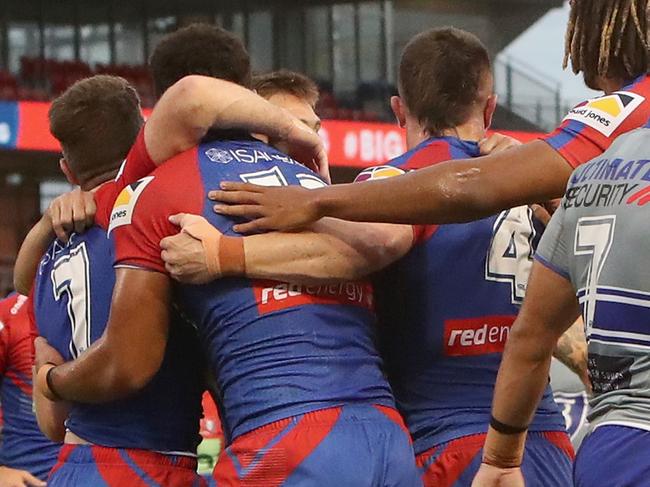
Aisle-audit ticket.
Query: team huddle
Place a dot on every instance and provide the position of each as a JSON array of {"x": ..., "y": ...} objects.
[{"x": 395, "y": 331}]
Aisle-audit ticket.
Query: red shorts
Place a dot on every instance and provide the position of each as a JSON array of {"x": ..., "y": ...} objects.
[
  {"x": 96, "y": 466},
  {"x": 547, "y": 461},
  {"x": 348, "y": 445}
]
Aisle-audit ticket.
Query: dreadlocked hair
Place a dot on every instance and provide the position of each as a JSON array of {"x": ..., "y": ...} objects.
[{"x": 608, "y": 38}]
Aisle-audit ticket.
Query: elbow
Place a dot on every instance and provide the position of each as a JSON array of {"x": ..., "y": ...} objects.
[
  {"x": 22, "y": 286},
  {"x": 125, "y": 377}
]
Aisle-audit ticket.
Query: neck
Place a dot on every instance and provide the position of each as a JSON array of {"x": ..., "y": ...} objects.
[
  {"x": 473, "y": 130},
  {"x": 96, "y": 181}
]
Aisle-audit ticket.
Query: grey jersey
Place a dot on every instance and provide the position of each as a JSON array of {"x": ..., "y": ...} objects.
[{"x": 600, "y": 239}]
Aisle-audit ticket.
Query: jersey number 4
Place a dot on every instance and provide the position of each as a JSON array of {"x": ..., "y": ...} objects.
[
  {"x": 510, "y": 256},
  {"x": 71, "y": 277}
]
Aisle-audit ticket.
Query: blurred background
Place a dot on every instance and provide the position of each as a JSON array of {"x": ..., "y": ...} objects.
[{"x": 349, "y": 48}]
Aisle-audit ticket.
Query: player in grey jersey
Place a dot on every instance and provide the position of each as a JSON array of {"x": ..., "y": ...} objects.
[{"x": 594, "y": 260}]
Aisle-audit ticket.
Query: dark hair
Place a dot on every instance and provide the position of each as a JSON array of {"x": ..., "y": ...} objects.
[
  {"x": 199, "y": 49},
  {"x": 441, "y": 74},
  {"x": 607, "y": 39},
  {"x": 285, "y": 81},
  {"x": 96, "y": 121}
]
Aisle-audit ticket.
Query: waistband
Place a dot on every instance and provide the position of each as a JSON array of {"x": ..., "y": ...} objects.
[
  {"x": 117, "y": 456},
  {"x": 349, "y": 413}
]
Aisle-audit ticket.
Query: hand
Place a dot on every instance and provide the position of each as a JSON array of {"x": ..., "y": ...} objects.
[
  {"x": 491, "y": 476},
  {"x": 72, "y": 212},
  {"x": 10, "y": 477},
  {"x": 305, "y": 146},
  {"x": 184, "y": 253},
  {"x": 541, "y": 214},
  {"x": 44, "y": 353},
  {"x": 284, "y": 208},
  {"x": 496, "y": 143}
]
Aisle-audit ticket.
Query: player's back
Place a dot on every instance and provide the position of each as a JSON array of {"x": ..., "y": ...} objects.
[
  {"x": 601, "y": 232},
  {"x": 277, "y": 349},
  {"x": 23, "y": 446},
  {"x": 72, "y": 303},
  {"x": 446, "y": 309}
]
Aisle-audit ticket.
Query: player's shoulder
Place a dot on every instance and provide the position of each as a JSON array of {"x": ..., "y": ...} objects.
[{"x": 617, "y": 112}]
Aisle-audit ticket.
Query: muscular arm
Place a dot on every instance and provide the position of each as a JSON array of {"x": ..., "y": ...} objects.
[
  {"x": 450, "y": 192},
  {"x": 330, "y": 251},
  {"x": 50, "y": 415},
  {"x": 549, "y": 309},
  {"x": 195, "y": 104},
  {"x": 132, "y": 347},
  {"x": 31, "y": 251},
  {"x": 456, "y": 191}
]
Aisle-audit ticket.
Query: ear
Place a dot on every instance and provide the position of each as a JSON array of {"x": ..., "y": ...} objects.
[
  {"x": 399, "y": 111},
  {"x": 488, "y": 111},
  {"x": 65, "y": 169}
]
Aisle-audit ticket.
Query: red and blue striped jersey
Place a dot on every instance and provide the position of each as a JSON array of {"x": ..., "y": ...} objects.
[
  {"x": 591, "y": 127},
  {"x": 23, "y": 446},
  {"x": 276, "y": 349},
  {"x": 446, "y": 309}
]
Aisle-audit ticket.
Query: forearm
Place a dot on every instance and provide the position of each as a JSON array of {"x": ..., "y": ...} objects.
[
  {"x": 31, "y": 251},
  {"x": 195, "y": 104},
  {"x": 571, "y": 350},
  {"x": 523, "y": 375},
  {"x": 451, "y": 192},
  {"x": 330, "y": 251},
  {"x": 50, "y": 415}
]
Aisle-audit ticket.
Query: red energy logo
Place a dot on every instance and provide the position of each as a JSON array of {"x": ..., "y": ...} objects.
[{"x": 477, "y": 336}]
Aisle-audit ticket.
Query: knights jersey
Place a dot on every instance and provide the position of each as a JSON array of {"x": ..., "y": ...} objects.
[
  {"x": 72, "y": 301},
  {"x": 598, "y": 240},
  {"x": 23, "y": 446},
  {"x": 446, "y": 309},
  {"x": 276, "y": 349},
  {"x": 591, "y": 127}
]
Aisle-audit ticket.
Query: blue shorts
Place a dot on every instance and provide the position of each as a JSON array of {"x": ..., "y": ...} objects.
[
  {"x": 619, "y": 454},
  {"x": 349, "y": 446},
  {"x": 547, "y": 461},
  {"x": 95, "y": 466}
]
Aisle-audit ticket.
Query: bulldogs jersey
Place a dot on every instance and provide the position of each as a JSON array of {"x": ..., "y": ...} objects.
[
  {"x": 276, "y": 349},
  {"x": 23, "y": 445},
  {"x": 598, "y": 239},
  {"x": 592, "y": 126},
  {"x": 446, "y": 309},
  {"x": 72, "y": 302}
]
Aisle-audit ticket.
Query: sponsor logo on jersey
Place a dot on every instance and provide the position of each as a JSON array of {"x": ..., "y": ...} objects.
[
  {"x": 20, "y": 301},
  {"x": 274, "y": 296},
  {"x": 2, "y": 326},
  {"x": 379, "y": 172},
  {"x": 598, "y": 195},
  {"x": 476, "y": 336},
  {"x": 607, "y": 113},
  {"x": 219, "y": 155},
  {"x": 125, "y": 203}
]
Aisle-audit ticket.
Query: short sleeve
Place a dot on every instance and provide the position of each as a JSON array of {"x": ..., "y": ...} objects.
[
  {"x": 139, "y": 221},
  {"x": 140, "y": 216},
  {"x": 553, "y": 249},
  {"x": 591, "y": 127}
]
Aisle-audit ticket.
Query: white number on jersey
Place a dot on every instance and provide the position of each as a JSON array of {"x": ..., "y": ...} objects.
[
  {"x": 510, "y": 255},
  {"x": 71, "y": 277},
  {"x": 594, "y": 236},
  {"x": 274, "y": 177}
]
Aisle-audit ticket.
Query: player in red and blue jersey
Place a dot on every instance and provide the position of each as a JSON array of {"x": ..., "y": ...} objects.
[
  {"x": 446, "y": 307},
  {"x": 297, "y": 369},
  {"x": 26, "y": 455},
  {"x": 150, "y": 436}
]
